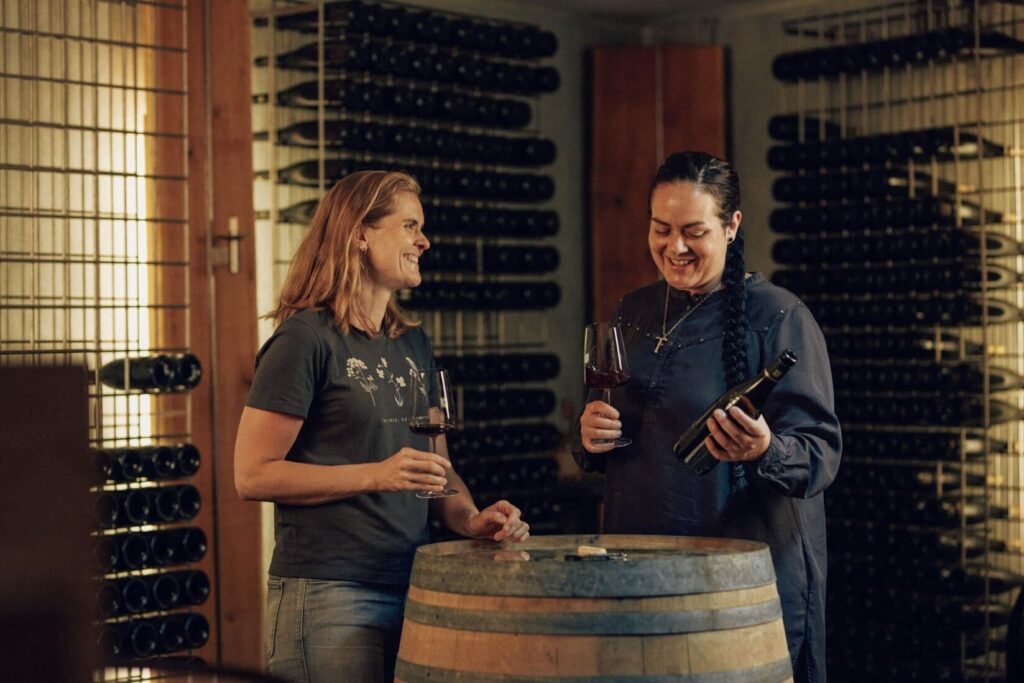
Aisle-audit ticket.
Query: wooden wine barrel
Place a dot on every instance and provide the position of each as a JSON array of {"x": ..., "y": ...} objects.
[{"x": 699, "y": 610}]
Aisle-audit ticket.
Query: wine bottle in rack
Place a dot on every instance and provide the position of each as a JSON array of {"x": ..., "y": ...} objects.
[
  {"x": 950, "y": 277},
  {"x": 186, "y": 459},
  {"x": 153, "y": 373},
  {"x": 877, "y": 443},
  {"x": 129, "y": 639},
  {"x": 943, "y": 144},
  {"x": 750, "y": 396},
  {"x": 407, "y": 100},
  {"x": 913, "y": 477},
  {"x": 797, "y": 127},
  {"x": 121, "y": 509},
  {"x": 924, "y": 377},
  {"x": 936, "y": 408},
  {"x": 195, "y": 627},
  {"x": 936, "y": 345},
  {"x": 194, "y": 586},
  {"x": 860, "y": 248},
  {"x": 119, "y": 465},
  {"x": 945, "y": 44},
  {"x": 909, "y": 310},
  {"x": 123, "y": 596},
  {"x": 130, "y": 551}
]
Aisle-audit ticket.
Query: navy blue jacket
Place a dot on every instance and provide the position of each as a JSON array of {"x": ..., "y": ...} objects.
[{"x": 777, "y": 499}]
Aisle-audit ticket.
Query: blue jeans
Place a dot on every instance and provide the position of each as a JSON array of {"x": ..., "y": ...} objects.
[{"x": 321, "y": 631}]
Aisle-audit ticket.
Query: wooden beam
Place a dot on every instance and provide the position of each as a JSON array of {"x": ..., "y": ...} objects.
[
  {"x": 693, "y": 87},
  {"x": 624, "y": 157},
  {"x": 224, "y": 305}
]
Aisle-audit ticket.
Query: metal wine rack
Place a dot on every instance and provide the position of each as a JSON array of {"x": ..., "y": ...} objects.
[
  {"x": 451, "y": 99},
  {"x": 94, "y": 252},
  {"x": 899, "y": 224}
]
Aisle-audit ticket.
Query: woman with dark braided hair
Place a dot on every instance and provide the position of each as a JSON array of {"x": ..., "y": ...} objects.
[{"x": 706, "y": 327}]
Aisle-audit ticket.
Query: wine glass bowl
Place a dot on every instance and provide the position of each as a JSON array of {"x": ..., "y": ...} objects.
[
  {"x": 433, "y": 413},
  {"x": 604, "y": 366}
]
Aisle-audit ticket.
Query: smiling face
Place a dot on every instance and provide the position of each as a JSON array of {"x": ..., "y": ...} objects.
[
  {"x": 687, "y": 238},
  {"x": 394, "y": 245}
]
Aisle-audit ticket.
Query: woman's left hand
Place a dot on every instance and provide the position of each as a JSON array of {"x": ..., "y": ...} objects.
[
  {"x": 499, "y": 522},
  {"x": 737, "y": 437}
]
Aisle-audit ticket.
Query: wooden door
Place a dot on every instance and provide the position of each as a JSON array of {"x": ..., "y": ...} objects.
[{"x": 647, "y": 102}]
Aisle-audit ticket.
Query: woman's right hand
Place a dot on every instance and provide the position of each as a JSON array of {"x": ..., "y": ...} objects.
[
  {"x": 411, "y": 470},
  {"x": 599, "y": 421}
]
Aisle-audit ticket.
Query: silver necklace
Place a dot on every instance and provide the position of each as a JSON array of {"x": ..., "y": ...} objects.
[{"x": 665, "y": 334}]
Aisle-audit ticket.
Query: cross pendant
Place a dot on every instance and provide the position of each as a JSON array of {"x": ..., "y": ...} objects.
[{"x": 661, "y": 340}]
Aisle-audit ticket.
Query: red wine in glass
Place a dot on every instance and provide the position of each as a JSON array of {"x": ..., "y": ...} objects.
[
  {"x": 433, "y": 413},
  {"x": 604, "y": 379},
  {"x": 604, "y": 366}
]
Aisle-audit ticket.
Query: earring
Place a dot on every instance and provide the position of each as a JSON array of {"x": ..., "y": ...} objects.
[{"x": 362, "y": 249}]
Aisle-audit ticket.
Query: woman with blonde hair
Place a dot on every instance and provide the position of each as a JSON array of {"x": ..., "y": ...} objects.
[{"x": 324, "y": 433}]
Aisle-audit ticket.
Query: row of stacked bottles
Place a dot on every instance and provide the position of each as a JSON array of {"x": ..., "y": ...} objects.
[
  {"x": 897, "y": 226},
  {"x": 147, "y": 540},
  {"x": 452, "y": 100}
]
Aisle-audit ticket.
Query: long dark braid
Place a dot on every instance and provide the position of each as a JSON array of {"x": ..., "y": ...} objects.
[
  {"x": 716, "y": 177},
  {"x": 734, "y": 327}
]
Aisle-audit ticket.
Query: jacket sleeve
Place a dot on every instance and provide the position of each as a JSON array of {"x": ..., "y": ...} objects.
[
  {"x": 803, "y": 456},
  {"x": 588, "y": 462}
]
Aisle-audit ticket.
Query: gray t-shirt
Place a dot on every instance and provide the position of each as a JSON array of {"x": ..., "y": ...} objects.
[{"x": 354, "y": 394}]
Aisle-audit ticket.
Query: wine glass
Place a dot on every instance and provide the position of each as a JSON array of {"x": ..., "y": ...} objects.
[
  {"x": 433, "y": 413},
  {"x": 604, "y": 366}
]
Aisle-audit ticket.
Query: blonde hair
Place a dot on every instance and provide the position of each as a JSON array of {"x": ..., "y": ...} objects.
[{"x": 327, "y": 270}]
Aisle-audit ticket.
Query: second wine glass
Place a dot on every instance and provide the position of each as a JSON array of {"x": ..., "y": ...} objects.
[
  {"x": 604, "y": 366},
  {"x": 433, "y": 413}
]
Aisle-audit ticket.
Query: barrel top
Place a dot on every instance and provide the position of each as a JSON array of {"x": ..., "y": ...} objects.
[{"x": 549, "y": 566}]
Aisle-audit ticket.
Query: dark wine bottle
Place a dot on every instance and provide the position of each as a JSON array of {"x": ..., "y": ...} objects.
[
  {"x": 788, "y": 127},
  {"x": 750, "y": 396},
  {"x": 164, "y": 591},
  {"x": 492, "y": 404},
  {"x": 923, "y": 409},
  {"x": 123, "y": 596},
  {"x": 871, "y": 375},
  {"x": 470, "y": 444},
  {"x": 186, "y": 459},
  {"x": 481, "y": 296},
  {"x": 152, "y": 373},
  {"x": 913, "y": 244},
  {"x": 909, "y": 310},
  {"x": 945, "y": 44},
  {"x": 890, "y": 183},
  {"x": 912, "y": 477},
  {"x": 129, "y": 639},
  {"x": 194, "y": 586},
  {"x": 909, "y": 344},
  {"x": 956, "y": 276},
  {"x": 195, "y": 629},
  {"x": 501, "y": 368},
  {"x": 884, "y": 444},
  {"x": 170, "y": 634},
  {"x": 187, "y": 372},
  {"x": 164, "y": 504},
  {"x": 411, "y": 100},
  {"x": 130, "y": 551},
  {"x": 943, "y": 144}
]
